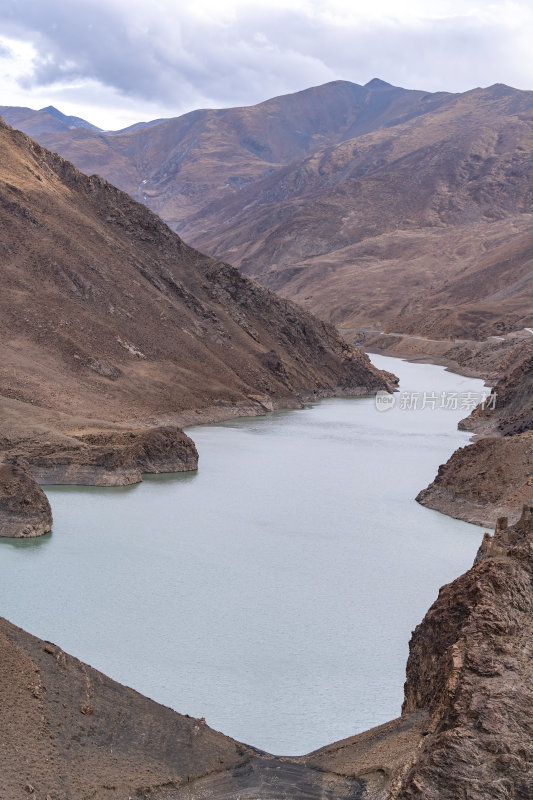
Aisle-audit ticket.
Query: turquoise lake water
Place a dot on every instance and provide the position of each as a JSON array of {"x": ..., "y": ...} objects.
[{"x": 273, "y": 592}]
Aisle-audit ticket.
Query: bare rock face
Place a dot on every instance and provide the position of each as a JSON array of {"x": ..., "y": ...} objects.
[
  {"x": 471, "y": 667},
  {"x": 90, "y": 458},
  {"x": 117, "y": 458},
  {"x": 24, "y": 508},
  {"x": 513, "y": 411}
]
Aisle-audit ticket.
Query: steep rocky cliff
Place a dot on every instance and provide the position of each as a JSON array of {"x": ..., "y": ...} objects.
[
  {"x": 513, "y": 402},
  {"x": 471, "y": 667}
]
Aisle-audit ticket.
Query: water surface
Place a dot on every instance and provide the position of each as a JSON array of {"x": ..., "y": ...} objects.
[{"x": 274, "y": 592}]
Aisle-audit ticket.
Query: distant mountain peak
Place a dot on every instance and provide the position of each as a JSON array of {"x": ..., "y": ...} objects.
[
  {"x": 72, "y": 122},
  {"x": 377, "y": 83},
  {"x": 53, "y": 110}
]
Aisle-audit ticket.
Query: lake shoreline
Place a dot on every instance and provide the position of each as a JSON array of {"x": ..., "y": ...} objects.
[{"x": 281, "y": 508}]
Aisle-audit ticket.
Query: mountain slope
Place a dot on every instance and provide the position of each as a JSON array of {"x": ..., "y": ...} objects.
[
  {"x": 106, "y": 315},
  {"x": 433, "y": 214}
]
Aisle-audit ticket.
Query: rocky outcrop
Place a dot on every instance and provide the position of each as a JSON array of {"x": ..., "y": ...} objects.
[
  {"x": 104, "y": 457},
  {"x": 24, "y": 508},
  {"x": 493, "y": 476},
  {"x": 480, "y": 482},
  {"x": 512, "y": 409},
  {"x": 471, "y": 667},
  {"x": 116, "y": 458}
]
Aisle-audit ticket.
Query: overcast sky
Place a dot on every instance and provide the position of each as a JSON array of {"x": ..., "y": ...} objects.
[{"x": 115, "y": 62}]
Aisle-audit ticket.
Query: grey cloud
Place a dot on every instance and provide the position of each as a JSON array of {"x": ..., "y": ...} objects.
[
  {"x": 177, "y": 62},
  {"x": 5, "y": 51}
]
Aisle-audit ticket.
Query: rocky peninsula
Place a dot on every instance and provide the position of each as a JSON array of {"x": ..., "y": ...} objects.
[{"x": 492, "y": 477}]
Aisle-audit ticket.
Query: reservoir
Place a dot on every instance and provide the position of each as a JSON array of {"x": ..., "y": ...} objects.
[{"x": 273, "y": 592}]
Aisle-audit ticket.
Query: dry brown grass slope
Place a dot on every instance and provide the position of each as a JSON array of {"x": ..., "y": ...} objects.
[{"x": 101, "y": 299}]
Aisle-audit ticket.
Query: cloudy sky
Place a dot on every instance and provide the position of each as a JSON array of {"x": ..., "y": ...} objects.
[{"x": 115, "y": 62}]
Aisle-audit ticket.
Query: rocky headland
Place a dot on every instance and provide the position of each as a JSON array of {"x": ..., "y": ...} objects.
[
  {"x": 114, "y": 457},
  {"x": 24, "y": 507},
  {"x": 492, "y": 477},
  {"x": 67, "y": 732}
]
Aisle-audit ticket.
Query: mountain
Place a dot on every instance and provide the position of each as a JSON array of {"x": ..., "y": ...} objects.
[
  {"x": 422, "y": 227},
  {"x": 374, "y": 206},
  {"x": 109, "y": 323},
  {"x": 67, "y": 731},
  {"x": 179, "y": 166},
  {"x": 45, "y": 120}
]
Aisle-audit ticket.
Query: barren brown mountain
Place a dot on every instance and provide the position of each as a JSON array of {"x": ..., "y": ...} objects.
[
  {"x": 423, "y": 227},
  {"x": 45, "y": 120},
  {"x": 68, "y": 732},
  {"x": 110, "y": 324},
  {"x": 374, "y": 206},
  {"x": 179, "y": 166}
]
